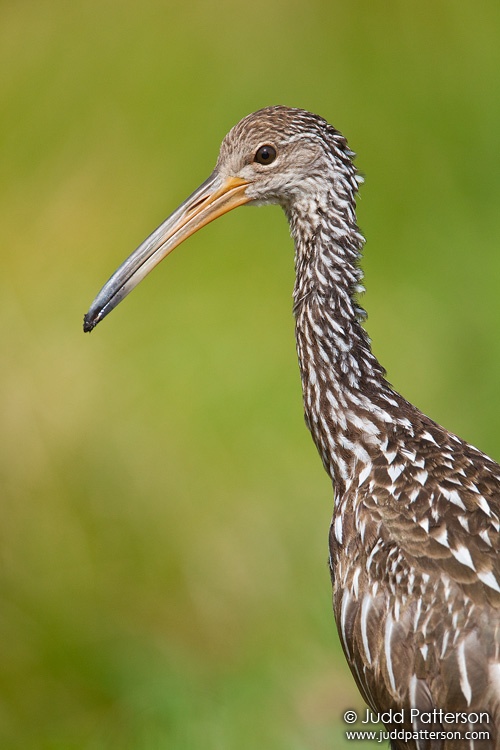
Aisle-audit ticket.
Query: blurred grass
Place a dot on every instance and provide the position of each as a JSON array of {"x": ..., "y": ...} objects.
[{"x": 164, "y": 516}]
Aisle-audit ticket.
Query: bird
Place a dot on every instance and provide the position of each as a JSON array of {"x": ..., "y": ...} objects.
[{"x": 414, "y": 538}]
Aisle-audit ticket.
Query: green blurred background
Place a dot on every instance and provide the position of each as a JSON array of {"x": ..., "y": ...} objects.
[{"x": 164, "y": 514}]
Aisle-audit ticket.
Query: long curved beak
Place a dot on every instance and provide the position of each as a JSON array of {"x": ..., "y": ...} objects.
[{"x": 216, "y": 196}]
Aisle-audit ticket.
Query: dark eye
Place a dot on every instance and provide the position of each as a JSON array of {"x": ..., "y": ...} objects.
[{"x": 265, "y": 155}]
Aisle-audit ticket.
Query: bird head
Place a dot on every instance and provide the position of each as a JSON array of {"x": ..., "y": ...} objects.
[
  {"x": 276, "y": 155},
  {"x": 279, "y": 152}
]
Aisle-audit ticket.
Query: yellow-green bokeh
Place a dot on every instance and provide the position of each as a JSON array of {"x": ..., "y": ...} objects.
[{"x": 164, "y": 515}]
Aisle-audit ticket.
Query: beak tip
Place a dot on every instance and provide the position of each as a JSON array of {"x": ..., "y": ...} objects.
[{"x": 89, "y": 323}]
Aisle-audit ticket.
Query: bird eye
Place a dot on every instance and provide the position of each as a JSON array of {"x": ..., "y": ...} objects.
[{"x": 265, "y": 155}]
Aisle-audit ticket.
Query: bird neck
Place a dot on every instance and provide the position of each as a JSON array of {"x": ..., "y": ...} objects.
[{"x": 347, "y": 400}]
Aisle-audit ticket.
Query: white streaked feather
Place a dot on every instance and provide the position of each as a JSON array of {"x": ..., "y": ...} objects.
[
  {"x": 387, "y": 649},
  {"x": 485, "y": 537},
  {"x": 365, "y": 607},
  {"x": 338, "y": 528},
  {"x": 442, "y": 537},
  {"x": 421, "y": 476},
  {"x": 453, "y": 497},
  {"x": 489, "y": 579},
  {"x": 462, "y": 668},
  {"x": 343, "y": 613},
  {"x": 363, "y": 474},
  {"x": 427, "y": 436},
  {"x": 444, "y": 645},
  {"x": 355, "y": 581},
  {"x": 463, "y": 556},
  {"x": 424, "y": 523},
  {"x": 483, "y": 505},
  {"x": 464, "y": 523},
  {"x": 395, "y": 471}
]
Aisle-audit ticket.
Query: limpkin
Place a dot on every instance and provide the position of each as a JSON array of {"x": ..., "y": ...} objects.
[{"x": 414, "y": 538}]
